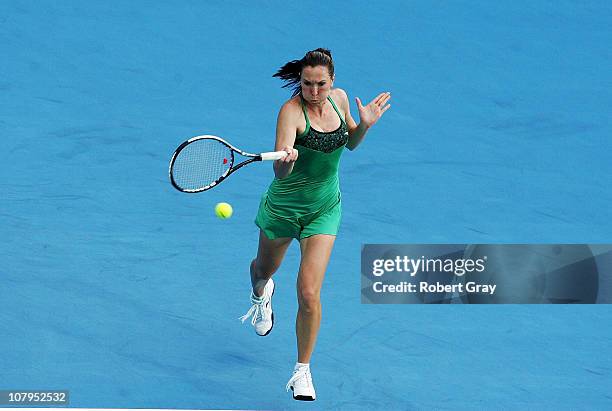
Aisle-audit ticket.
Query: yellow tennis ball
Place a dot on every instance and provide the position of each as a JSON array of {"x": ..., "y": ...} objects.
[{"x": 223, "y": 210}]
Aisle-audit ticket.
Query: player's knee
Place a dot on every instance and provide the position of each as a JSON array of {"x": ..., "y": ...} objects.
[
  {"x": 309, "y": 299},
  {"x": 262, "y": 269}
]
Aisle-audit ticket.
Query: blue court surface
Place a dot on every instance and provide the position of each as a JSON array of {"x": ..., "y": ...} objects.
[{"x": 126, "y": 292}]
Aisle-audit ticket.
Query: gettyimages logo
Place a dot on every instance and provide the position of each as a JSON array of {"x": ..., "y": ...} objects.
[
  {"x": 413, "y": 266},
  {"x": 486, "y": 273}
]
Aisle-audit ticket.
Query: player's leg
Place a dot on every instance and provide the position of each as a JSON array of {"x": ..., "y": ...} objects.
[
  {"x": 270, "y": 254},
  {"x": 316, "y": 251}
]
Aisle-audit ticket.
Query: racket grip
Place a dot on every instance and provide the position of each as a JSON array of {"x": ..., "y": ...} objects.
[{"x": 273, "y": 155}]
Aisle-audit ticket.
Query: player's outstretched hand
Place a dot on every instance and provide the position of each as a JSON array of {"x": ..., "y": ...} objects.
[{"x": 370, "y": 114}]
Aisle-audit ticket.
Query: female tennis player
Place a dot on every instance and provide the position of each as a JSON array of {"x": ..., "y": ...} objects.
[{"x": 303, "y": 201}]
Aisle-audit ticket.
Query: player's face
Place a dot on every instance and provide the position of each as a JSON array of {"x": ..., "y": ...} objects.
[{"x": 316, "y": 84}]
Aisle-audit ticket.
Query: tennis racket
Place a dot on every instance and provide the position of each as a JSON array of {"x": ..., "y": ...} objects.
[{"x": 202, "y": 162}]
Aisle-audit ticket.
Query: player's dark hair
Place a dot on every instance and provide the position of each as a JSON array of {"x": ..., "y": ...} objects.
[{"x": 291, "y": 72}]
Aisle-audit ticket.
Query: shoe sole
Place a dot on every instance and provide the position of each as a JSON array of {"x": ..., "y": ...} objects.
[
  {"x": 302, "y": 397},
  {"x": 270, "y": 330}
]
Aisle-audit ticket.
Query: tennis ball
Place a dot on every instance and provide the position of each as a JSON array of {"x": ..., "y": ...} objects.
[{"x": 223, "y": 210}]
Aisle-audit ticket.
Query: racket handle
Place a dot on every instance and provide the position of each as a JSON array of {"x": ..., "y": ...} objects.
[{"x": 273, "y": 155}]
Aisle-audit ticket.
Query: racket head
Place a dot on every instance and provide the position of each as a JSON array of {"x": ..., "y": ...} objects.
[{"x": 201, "y": 163}]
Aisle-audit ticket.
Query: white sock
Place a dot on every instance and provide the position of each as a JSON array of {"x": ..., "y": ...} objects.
[
  {"x": 301, "y": 365},
  {"x": 256, "y": 298}
]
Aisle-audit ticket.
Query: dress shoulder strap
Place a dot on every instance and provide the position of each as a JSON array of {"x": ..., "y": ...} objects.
[
  {"x": 335, "y": 108},
  {"x": 305, "y": 113},
  {"x": 307, "y": 129}
]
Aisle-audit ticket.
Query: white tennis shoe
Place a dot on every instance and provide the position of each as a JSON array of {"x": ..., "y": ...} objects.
[
  {"x": 301, "y": 384},
  {"x": 261, "y": 311}
]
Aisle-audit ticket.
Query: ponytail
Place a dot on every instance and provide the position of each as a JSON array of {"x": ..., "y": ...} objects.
[{"x": 290, "y": 73}]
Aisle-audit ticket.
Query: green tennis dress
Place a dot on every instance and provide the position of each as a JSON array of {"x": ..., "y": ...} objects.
[{"x": 307, "y": 201}]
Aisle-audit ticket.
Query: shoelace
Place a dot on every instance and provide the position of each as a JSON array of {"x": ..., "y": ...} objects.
[
  {"x": 256, "y": 311},
  {"x": 297, "y": 374}
]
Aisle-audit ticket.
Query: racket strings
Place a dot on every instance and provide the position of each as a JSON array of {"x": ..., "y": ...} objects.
[{"x": 201, "y": 163}]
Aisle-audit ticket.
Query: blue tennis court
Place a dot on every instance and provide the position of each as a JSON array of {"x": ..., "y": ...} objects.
[{"x": 127, "y": 293}]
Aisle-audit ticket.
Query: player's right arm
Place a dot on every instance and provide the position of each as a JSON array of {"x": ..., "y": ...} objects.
[{"x": 286, "y": 130}]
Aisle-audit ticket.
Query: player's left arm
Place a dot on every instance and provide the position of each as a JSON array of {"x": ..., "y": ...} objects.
[{"x": 368, "y": 116}]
